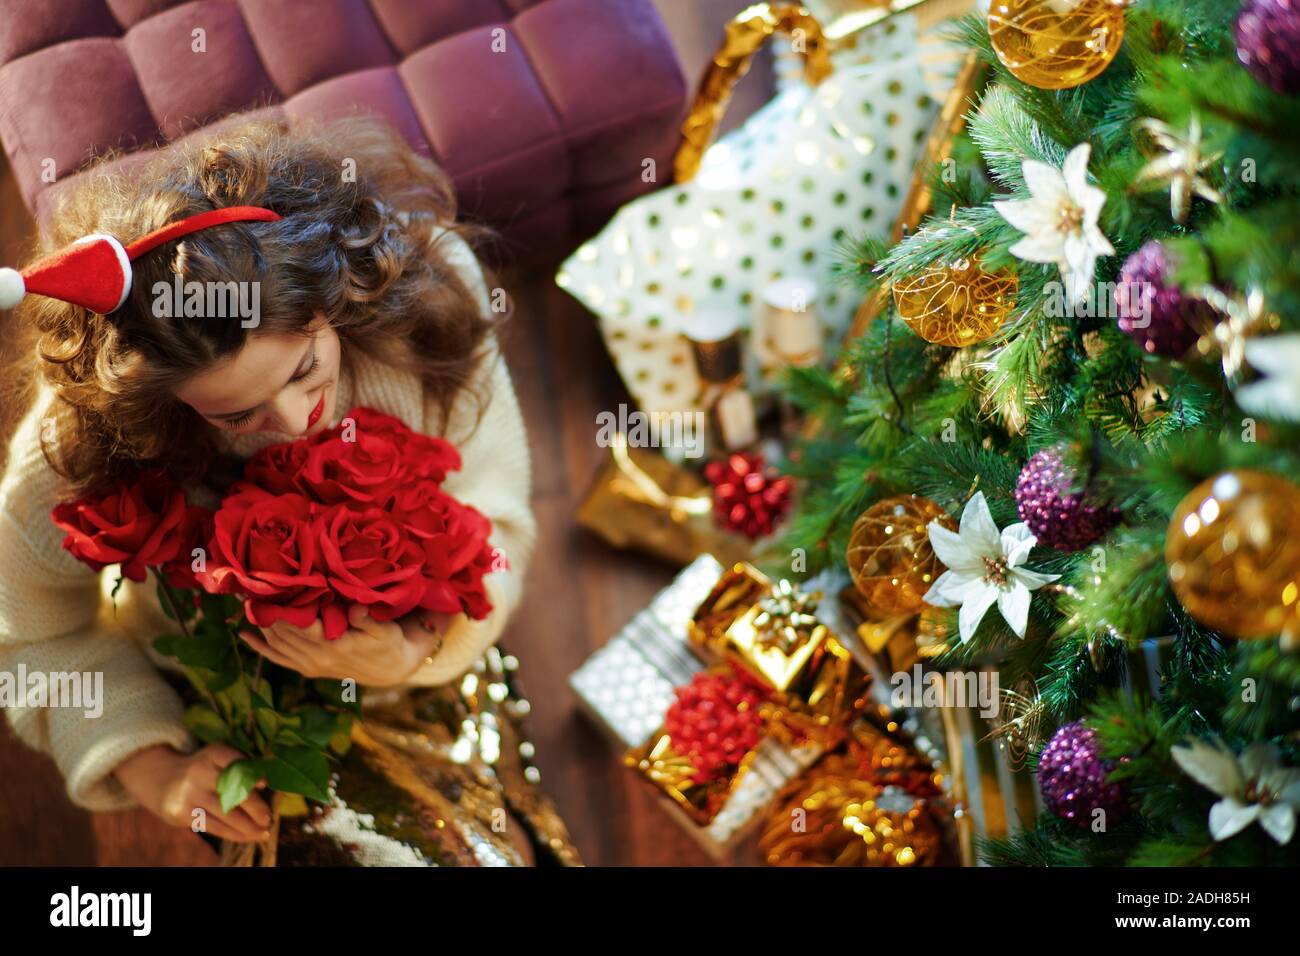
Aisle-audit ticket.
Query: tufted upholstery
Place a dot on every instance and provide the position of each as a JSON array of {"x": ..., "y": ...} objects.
[{"x": 542, "y": 111}]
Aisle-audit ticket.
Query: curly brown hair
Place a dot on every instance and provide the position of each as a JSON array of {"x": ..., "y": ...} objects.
[{"x": 356, "y": 244}]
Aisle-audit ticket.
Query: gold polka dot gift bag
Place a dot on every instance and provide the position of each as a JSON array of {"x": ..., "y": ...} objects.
[{"x": 763, "y": 209}]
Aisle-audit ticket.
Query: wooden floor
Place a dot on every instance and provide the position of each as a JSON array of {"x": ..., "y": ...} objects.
[{"x": 579, "y": 593}]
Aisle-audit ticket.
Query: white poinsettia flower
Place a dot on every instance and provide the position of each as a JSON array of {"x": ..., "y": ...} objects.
[
  {"x": 1060, "y": 220},
  {"x": 1277, "y": 394},
  {"x": 984, "y": 566},
  {"x": 1254, "y": 787}
]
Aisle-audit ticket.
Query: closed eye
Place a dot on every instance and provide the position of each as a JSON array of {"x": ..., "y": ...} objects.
[
  {"x": 315, "y": 364},
  {"x": 243, "y": 419}
]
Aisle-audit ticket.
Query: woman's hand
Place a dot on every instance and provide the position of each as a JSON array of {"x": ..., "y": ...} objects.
[
  {"x": 374, "y": 653},
  {"x": 173, "y": 785}
]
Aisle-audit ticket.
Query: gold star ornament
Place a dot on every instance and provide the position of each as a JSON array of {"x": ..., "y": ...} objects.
[{"x": 1180, "y": 165}]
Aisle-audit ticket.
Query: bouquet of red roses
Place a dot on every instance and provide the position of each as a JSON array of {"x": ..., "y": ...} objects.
[{"x": 353, "y": 516}]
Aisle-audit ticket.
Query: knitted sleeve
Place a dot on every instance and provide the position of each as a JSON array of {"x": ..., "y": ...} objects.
[
  {"x": 54, "y": 634},
  {"x": 495, "y": 477}
]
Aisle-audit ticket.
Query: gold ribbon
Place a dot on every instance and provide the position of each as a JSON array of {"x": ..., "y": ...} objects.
[{"x": 649, "y": 491}]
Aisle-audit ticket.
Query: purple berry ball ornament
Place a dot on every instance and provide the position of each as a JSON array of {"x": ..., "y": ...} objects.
[
  {"x": 1268, "y": 42},
  {"x": 1072, "y": 777},
  {"x": 1059, "y": 517},
  {"x": 1155, "y": 313}
]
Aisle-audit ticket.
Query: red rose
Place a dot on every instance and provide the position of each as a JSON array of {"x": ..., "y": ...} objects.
[
  {"x": 139, "y": 525},
  {"x": 454, "y": 539},
  {"x": 351, "y": 516},
  {"x": 264, "y": 549},
  {"x": 195, "y": 533},
  {"x": 423, "y": 456},
  {"x": 275, "y": 468},
  {"x": 371, "y": 560},
  {"x": 467, "y": 583},
  {"x": 363, "y": 472}
]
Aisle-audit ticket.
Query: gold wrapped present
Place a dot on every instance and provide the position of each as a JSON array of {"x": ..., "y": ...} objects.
[
  {"x": 699, "y": 790},
  {"x": 627, "y": 687},
  {"x": 771, "y": 632},
  {"x": 674, "y": 774},
  {"x": 643, "y": 502}
]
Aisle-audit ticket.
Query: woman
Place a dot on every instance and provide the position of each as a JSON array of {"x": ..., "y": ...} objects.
[{"x": 351, "y": 290}]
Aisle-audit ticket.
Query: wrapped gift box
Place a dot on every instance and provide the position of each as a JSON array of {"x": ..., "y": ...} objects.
[{"x": 627, "y": 687}]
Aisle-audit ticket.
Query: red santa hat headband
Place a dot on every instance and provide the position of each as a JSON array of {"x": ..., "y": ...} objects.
[{"x": 95, "y": 271}]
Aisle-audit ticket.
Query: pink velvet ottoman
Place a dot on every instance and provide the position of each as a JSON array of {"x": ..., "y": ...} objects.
[{"x": 542, "y": 111}]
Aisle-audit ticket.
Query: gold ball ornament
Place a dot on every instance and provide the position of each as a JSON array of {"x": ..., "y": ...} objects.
[
  {"x": 1056, "y": 44},
  {"x": 1233, "y": 552},
  {"x": 831, "y": 818},
  {"x": 889, "y": 554},
  {"x": 958, "y": 304}
]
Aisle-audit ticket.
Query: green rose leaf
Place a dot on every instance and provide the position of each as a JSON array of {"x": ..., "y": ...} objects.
[
  {"x": 268, "y": 721},
  {"x": 172, "y": 600},
  {"x": 316, "y": 726},
  {"x": 206, "y": 724},
  {"x": 202, "y": 649},
  {"x": 237, "y": 697},
  {"x": 238, "y": 780},
  {"x": 299, "y": 770},
  {"x": 166, "y": 644}
]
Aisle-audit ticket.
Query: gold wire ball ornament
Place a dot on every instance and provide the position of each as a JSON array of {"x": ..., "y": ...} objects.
[
  {"x": 1056, "y": 44},
  {"x": 1019, "y": 723},
  {"x": 889, "y": 554},
  {"x": 958, "y": 304},
  {"x": 1233, "y": 552}
]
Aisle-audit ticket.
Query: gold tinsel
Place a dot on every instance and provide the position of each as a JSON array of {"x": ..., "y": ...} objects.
[
  {"x": 1233, "y": 551},
  {"x": 889, "y": 554},
  {"x": 834, "y": 817},
  {"x": 1056, "y": 44},
  {"x": 958, "y": 304}
]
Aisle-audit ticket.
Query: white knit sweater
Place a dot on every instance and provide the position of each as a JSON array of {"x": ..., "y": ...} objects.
[{"x": 54, "y": 617}]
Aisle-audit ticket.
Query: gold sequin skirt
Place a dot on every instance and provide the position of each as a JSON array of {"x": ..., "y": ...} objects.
[{"x": 438, "y": 776}]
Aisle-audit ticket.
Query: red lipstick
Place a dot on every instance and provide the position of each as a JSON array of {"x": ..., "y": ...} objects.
[{"x": 314, "y": 416}]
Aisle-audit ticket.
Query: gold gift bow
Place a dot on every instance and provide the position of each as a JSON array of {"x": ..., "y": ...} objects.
[
  {"x": 815, "y": 687},
  {"x": 678, "y": 506}
]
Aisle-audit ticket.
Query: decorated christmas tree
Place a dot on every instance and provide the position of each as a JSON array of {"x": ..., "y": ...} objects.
[{"x": 1085, "y": 386}]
